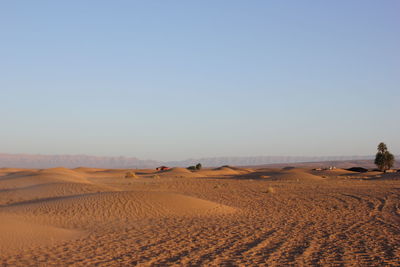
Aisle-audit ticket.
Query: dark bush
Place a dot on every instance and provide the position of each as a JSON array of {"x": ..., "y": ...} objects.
[
  {"x": 191, "y": 168},
  {"x": 198, "y": 166},
  {"x": 357, "y": 169}
]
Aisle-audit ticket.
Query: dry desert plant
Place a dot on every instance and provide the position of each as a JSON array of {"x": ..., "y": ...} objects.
[
  {"x": 270, "y": 189},
  {"x": 130, "y": 175}
]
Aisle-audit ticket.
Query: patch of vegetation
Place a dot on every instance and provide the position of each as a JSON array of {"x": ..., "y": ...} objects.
[
  {"x": 270, "y": 189},
  {"x": 195, "y": 168},
  {"x": 384, "y": 160}
]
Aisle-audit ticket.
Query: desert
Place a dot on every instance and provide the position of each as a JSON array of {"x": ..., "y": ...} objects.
[
  {"x": 227, "y": 216},
  {"x": 199, "y": 133}
]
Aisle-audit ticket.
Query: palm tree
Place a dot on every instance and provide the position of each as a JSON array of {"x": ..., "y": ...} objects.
[{"x": 384, "y": 159}]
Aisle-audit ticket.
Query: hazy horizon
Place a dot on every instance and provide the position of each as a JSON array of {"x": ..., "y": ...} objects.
[
  {"x": 177, "y": 80},
  {"x": 284, "y": 158},
  {"x": 42, "y": 161}
]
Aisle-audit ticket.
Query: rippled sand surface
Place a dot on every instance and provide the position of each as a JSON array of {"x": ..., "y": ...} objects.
[{"x": 225, "y": 216}]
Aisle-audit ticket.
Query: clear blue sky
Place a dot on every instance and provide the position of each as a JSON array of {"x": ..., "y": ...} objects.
[{"x": 177, "y": 79}]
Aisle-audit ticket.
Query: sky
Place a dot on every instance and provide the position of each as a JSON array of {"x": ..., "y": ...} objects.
[{"x": 171, "y": 80}]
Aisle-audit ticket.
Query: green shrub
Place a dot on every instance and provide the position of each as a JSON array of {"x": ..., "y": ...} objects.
[
  {"x": 198, "y": 166},
  {"x": 384, "y": 159},
  {"x": 192, "y": 168}
]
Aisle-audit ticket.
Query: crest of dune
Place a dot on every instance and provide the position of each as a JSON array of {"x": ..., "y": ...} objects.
[
  {"x": 63, "y": 174},
  {"x": 225, "y": 171}
]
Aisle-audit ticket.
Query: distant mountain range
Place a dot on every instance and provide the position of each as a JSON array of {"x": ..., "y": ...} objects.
[
  {"x": 73, "y": 161},
  {"x": 261, "y": 160}
]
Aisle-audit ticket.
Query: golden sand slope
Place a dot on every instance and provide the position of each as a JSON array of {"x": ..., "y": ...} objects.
[
  {"x": 178, "y": 173},
  {"x": 291, "y": 175},
  {"x": 224, "y": 171},
  {"x": 17, "y": 234},
  {"x": 27, "y": 185},
  {"x": 90, "y": 210},
  {"x": 222, "y": 217},
  {"x": 35, "y": 204}
]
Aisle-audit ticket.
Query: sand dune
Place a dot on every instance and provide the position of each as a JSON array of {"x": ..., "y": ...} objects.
[
  {"x": 62, "y": 174},
  {"x": 18, "y": 234},
  {"x": 45, "y": 191},
  {"x": 213, "y": 217},
  {"x": 178, "y": 173},
  {"x": 42, "y": 207},
  {"x": 288, "y": 175},
  {"x": 291, "y": 175},
  {"x": 89, "y": 210},
  {"x": 101, "y": 173},
  {"x": 7, "y": 171},
  {"x": 24, "y": 178},
  {"x": 21, "y": 179},
  {"x": 226, "y": 171},
  {"x": 27, "y": 185}
]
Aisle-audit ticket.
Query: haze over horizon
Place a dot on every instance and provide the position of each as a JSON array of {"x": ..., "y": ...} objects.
[
  {"x": 75, "y": 161},
  {"x": 176, "y": 80}
]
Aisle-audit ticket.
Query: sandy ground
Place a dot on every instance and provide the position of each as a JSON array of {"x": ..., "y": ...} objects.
[{"x": 224, "y": 217}]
